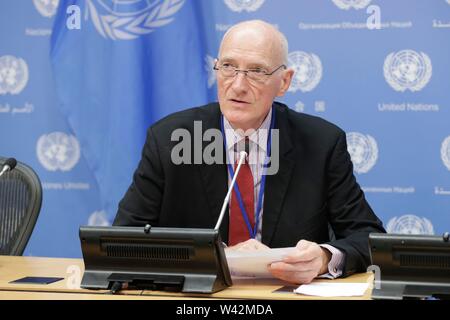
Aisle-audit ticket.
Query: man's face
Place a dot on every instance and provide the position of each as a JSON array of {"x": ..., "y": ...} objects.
[{"x": 245, "y": 102}]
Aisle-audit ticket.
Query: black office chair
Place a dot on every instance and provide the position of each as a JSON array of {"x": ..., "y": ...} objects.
[{"x": 20, "y": 203}]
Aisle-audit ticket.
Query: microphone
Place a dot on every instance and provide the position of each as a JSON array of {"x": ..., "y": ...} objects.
[
  {"x": 242, "y": 157},
  {"x": 9, "y": 164}
]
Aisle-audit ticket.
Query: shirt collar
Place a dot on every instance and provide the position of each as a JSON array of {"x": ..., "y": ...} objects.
[{"x": 258, "y": 136}]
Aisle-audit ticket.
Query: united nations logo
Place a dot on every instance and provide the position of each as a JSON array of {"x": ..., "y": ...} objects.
[
  {"x": 299, "y": 106},
  {"x": 241, "y": 5},
  {"x": 409, "y": 224},
  {"x": 13, "y": 75},
  {"x": 407, "y": 69},
  {"x": 127, "y": 20},
  {"x": 98, "y": 219},
  {"x": 363, "y": 151},
  {"x": 209, "y": 65},
  {"x": 47, "y": 8},
  {"x": 348, "y": 4},
  {"x": 308, "y": 71},
  {"x": 445, "y": 151},
  {"x": 58, "y": 151}
]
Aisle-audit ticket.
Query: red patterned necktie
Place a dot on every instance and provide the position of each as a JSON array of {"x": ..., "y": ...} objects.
[{"x": 238, "y": 231}]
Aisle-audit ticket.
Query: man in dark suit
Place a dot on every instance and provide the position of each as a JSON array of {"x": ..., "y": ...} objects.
[{"x": 312, "y": 192}]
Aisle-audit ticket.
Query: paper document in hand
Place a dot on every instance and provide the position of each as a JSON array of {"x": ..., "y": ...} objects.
[
  {"x": 332, "y": 289},
  {"x": 254, "y": 263}
]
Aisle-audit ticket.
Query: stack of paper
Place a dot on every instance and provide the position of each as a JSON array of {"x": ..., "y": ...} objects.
[
  {"x": 254, "y": 263},
  {"x": 332, "y": 289}
]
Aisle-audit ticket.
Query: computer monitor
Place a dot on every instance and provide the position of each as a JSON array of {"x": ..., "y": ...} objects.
[
  {"x": 410, "y": 266},
  {"x": 168, "y": 259}
]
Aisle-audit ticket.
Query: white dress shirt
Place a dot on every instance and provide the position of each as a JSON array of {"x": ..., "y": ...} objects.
[{"x": 257, "y": 153}]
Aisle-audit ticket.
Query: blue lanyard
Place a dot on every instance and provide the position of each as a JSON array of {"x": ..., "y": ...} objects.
[{"x": 251, "y": 231}]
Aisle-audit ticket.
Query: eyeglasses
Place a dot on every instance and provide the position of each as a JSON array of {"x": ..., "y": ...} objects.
[{"x": 227, "y": 70}]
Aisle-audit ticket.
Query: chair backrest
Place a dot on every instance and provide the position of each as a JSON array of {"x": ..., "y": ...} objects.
[{"x": 20, "y": 203}]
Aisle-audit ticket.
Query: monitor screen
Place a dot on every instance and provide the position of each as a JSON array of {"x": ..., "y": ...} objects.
[
  {"x": 410, "y": 265},
  {"x": 172, "y": 259}
]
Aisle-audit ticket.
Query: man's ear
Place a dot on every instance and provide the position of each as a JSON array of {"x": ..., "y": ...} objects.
[{"x": 285, "y": 82}]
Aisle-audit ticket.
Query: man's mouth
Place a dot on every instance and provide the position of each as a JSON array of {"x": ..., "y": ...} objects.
[{"x": 238, "y": 101}]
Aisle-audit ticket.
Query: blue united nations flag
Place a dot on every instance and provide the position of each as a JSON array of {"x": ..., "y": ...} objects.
[{"x": 130, "y": 63}]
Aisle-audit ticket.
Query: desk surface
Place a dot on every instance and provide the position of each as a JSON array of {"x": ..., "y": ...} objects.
[{"x": 71, "y": 270}]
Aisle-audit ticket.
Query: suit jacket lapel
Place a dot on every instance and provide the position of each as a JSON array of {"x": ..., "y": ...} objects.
[
  {"x": 214, "y": 177},
  {"x": 277, "y": 184}
]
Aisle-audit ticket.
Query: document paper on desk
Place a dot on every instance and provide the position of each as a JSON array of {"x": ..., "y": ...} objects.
[
  {"x": 253, "y": 264},
  {"x": 332, "y": 289}
]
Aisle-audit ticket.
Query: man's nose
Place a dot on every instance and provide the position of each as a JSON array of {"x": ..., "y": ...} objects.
[{"x": 240, "y": 83}]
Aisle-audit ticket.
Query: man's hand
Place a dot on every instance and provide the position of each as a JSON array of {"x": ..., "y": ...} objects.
[
  {"x": 249, "y": 245},
  {"x": 307, "y": 262}
]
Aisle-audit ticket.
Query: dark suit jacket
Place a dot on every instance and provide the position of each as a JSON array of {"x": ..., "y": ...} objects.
[{"x": 314, "y": 188}]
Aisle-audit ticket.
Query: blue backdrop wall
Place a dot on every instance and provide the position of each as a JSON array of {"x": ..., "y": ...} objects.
[{"x": 81, "y": 80}]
